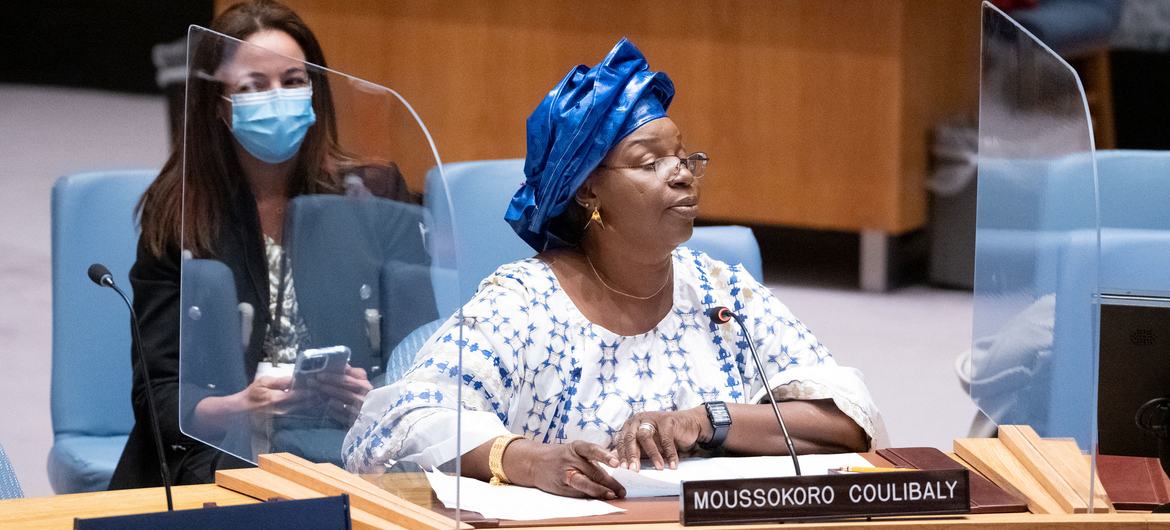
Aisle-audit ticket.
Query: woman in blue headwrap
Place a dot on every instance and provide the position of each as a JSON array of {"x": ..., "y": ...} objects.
[{"x": 599, "y": 349}]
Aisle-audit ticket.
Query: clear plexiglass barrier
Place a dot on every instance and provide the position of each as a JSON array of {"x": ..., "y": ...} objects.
[
  {"x": 1134, "y": 268},
  {"x": 1034, "y": 354},
  {"x": 310, "y": 269}
]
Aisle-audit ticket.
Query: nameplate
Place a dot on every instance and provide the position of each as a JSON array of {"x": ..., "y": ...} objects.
[
  {"x": 325, "y": 513},
  {"x": 853, "y": 495}
]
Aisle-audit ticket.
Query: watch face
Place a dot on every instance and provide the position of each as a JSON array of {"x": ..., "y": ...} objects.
[{"x": 719, "y": 414}]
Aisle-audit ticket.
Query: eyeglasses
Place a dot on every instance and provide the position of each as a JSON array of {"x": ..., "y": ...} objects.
[{"x": 668, "y": 167}]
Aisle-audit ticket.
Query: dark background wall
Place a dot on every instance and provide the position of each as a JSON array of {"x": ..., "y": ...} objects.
[
  {"x": 1141, "y": 98},
  {"x": 92, "y": 43}
]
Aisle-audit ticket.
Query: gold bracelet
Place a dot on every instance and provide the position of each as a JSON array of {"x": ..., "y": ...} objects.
[{"x": 496, "y": 458}]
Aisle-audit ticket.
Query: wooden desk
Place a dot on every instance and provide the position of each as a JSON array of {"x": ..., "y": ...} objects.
[
  {"x": 59, "y": 511},
  {"x": 414, "y": 487}
]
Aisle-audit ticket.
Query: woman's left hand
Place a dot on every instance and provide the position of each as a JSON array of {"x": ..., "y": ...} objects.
[
  {"x": 660, "y": 436},
  {"x": 343, "y": 393}
]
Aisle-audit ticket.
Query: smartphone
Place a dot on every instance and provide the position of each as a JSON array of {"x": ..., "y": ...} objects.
[{"x": 331, "y": 360}]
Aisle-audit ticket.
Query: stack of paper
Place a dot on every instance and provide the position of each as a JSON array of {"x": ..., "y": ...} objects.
[
  {"x": 654, "y": 483},
  {"x": 527, "y": 504},
  {"x": 510, "y": 501}
]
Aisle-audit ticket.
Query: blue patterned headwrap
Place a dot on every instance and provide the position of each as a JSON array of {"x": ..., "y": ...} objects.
[{"x": 572, "y": 130}]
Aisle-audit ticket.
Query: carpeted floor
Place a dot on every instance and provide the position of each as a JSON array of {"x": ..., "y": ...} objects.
[{"x": 905, "y": 341}]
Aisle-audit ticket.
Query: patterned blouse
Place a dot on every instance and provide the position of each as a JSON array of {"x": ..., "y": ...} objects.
[
  {"x": 287, "y": 331},
  {"x": 533, "y": 365}
]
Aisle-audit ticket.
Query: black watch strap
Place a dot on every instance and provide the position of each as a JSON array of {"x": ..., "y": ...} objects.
[{"x": 720, "y": 420}]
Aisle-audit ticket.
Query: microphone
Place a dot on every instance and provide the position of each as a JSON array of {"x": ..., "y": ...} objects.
[
  {"x": 723, "y": 315},
  {"x": 102, "y": 277}
]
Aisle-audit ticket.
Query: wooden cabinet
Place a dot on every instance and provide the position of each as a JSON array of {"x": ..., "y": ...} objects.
[{"x": 816, "y": 113}]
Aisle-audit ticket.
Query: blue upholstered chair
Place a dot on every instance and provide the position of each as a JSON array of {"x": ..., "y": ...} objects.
[
  {"x": 479, "y": 192},
  {"x": 732, "y": 244},
  {"x": 92, "y": 221},
  {"x": 362, "y": 273},
  {"x": 1061, "y": 262},
  {"x": 1134, "y": 258},
  {"x": 9, "y": 484},
  {"x": 402, "y": 358},
  {"x": 212, "y": 339}
]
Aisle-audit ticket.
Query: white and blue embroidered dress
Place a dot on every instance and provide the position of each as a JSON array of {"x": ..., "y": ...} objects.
[{"x": 534, "y": 365}]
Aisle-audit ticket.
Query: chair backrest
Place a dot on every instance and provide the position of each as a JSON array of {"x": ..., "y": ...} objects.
[
  {"x": 479, "y": 193},
  {"x": 1133, "y": 257},
  {"x": 469, "y": 213},
  {"x": 1134, "y": 188},
  {"x": 93, "y": 221},
  {"x": 211, "y": 343},
  {"x": 731, "y": 244},
  {"x": 9, "y": 484},
  {"x": 403, "y": 356},
  {"x": 353, "y": 256}
]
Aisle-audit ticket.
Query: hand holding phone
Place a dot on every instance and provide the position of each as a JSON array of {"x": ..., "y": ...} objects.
[
  {"x": 331, "y": 360},
  {"x": 327, "y": 373}
]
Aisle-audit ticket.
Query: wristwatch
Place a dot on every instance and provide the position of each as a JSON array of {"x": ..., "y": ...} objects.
[{"x": 720, "y": 420}]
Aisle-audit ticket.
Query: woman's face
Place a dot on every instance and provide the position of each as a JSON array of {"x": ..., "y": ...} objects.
[
  {"x": 643, "y": 209},
  {"x": 269, "y": 125},
  {"x": 275, "y": 61}
]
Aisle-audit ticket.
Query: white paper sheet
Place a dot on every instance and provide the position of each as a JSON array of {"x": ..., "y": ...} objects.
[
  {"x": 654, "y": 483},
  {"x": 511, "y": 501}
]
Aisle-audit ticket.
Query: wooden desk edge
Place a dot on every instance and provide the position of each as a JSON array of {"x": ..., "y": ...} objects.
[
  {"x": 1116, "y": 521},
  {"x": 59, "y": 511}
]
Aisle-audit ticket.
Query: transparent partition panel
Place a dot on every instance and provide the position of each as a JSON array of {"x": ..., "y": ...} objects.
[
  {"x": 1133, "y": 404},
  {"x": 1034, "y": 351},
  {"x": 309, "y": 321}
]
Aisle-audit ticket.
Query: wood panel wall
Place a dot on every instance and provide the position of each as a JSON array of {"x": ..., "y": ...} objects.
[{"x": 815, "y": 113}]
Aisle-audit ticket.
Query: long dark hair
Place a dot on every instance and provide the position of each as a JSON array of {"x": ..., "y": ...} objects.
[{"x": 168, "y": 214}]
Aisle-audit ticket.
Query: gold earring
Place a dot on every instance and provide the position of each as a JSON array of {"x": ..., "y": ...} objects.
[{"x": 595, "y": 217}]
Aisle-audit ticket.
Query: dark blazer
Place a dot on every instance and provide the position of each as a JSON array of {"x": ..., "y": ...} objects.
[{"x": 156, "y": 285}]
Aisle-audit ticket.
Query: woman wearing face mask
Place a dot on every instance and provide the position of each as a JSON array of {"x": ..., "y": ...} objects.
[{"x": 260, "y": 130}]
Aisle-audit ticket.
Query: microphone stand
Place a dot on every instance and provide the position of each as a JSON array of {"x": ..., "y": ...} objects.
[
  {"x": 721, "y": 315},
  {"x": 105, "y": 279}
]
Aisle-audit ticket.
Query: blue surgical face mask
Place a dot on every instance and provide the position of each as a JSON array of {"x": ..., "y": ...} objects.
[{"x": 272, "y": 124}]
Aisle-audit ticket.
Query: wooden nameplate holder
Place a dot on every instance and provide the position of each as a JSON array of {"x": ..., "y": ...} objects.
[
  {"x": 287, "y": 476},
  {"x": 1052, "y": 475}
]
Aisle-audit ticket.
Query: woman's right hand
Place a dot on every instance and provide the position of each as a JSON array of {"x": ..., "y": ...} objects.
[
  {"x": 563, "y": 469},
  {"x": 269, "y": 394},
  {"x": 273, "y": 395}
]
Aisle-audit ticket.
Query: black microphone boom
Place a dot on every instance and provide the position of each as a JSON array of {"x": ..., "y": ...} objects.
[
  {"x": 723, "y": 315},
  {"x": 101, "y": 276}
]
